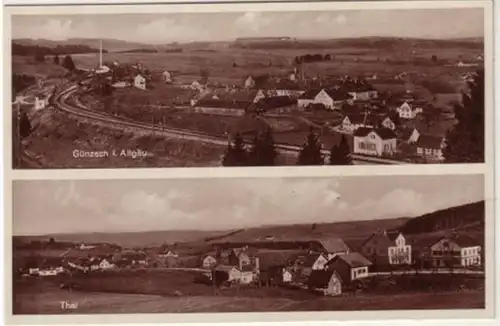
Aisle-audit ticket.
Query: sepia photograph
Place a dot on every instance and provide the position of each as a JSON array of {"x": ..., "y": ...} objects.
[
  {"x": 249, "y": 245},
  {"x": 275, "y": 88}
]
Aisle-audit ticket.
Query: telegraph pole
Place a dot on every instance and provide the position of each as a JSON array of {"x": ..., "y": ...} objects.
[{"x": 19, "y": 140}]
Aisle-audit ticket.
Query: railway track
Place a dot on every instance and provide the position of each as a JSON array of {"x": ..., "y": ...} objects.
[{"x": 79, "y": 110}]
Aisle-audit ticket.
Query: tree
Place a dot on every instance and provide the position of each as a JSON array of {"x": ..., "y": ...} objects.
[
  {"x": 310, "y": 154},
  {"x": 434, "y": 58},
  {"x": 328, "y": 57},
  {"x": 236, "y": 154},
  {"x": 263, "y": 152},
  {"x": 204, "y": 76},
  {"x": 235, "y": 65},
  {"x": 341, "y": 154},
  {"x": 25, "y": 127},
  {"x": 313, "y": 227},
  {"x": 465, "y": 142},
  {"x": 68, "y": 63},
  {"x": 56, "y": 59}
]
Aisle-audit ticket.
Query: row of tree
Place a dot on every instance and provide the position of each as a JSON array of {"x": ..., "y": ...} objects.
[
  {"x": 262, "y": 151},
  {"x": 312, "y": 58},
  {"x": 31, "y": 50}
]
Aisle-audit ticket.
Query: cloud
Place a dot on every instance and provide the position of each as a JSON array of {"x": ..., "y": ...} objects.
[
  {"x": 53, "y": 29},
  {"x": 252, "y": 22}
]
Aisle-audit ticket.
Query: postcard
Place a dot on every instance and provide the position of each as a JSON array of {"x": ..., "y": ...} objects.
[
  {"x": 308, "y": 244},
  {"x": 323, "y": 84}
]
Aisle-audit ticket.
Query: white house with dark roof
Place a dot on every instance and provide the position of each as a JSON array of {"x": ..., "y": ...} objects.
[
  {"x": 430, "y": 147},
  {"x": 332, "y": 99},
  {"x": 408, "y": 111},
  {"x": 375, "y": 142},
  {"x": 140, "y": 82}
]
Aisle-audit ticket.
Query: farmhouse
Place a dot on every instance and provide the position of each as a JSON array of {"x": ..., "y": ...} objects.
[
  {"x": 232, "y": 272},
  {"x": 430, "y": 147},
  {"x": 400, "y": 254},
  {"x": 360, "y": 91},
  {"x": 376, "y": 142},
  {"x": 331, "y": 98},
  {"x": 376, "y": 248},
  {"x": 456, "y": 251},
  {"x": 353, "y": 122},
  {"x": 408, "y": 111},
  {"x": 307, "y": 263},
  {"x": 326, "y": 281},
  {"x": 248, "y": 274},
  {"x": 208, "y": 261},
  {"x": 349, "y": 267},
  {"x": 249, "y": 82},
  {"x": 140, "y": 82}
]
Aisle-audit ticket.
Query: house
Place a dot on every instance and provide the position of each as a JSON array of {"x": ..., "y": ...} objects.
[
  {"x": 332, "y": 247},
  {"x": 248, "y": 274},
  {"x": 326, "y": 281},
  {"x": 239, "y": 257},
  {"x": 48, "y": 272},
  {"x": 452, "y": 251},
  {"x": 332, "y": 99},
  {"x": 287, "y": 276},
  {"x": 388, "y": 123},
  {"x": 168, "y": 253},
  {"x": 409, "y": 135},
  {"x": 408, "y": 111},
  {"x": 305, "y": 264},
  {"x": 430, "y": 147},
  {"x": 349, "y": 267},
  {"x": 105, "y": 264},
  {"x": 375, "y": 142},
  {"x": 208, "y": 261},
  {"x": 41, "y": 103},
  {"x": 400, "y": 253},
  {"x": 360, "y": 91},
  {"x": 375, "y": 247},
  {"x": 140, "y": 82},
  {"x": 196, "y": 85},
  {"x": 34, "y": 271},
  {"x": 167, "y": 77},
  {"x": 233, "y": 273},
  {"x": 86, "y": 247},
  {"x": 249, "y": 82}
]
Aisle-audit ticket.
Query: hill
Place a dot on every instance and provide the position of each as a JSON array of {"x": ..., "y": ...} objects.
[
  {"x": 466, "y": 217},
  {"x": 60, "y": 49},
  {"x": 111, "y": 45}
]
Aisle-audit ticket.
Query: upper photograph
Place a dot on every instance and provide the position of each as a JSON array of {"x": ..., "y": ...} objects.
[{"x": 268, "y": 88}]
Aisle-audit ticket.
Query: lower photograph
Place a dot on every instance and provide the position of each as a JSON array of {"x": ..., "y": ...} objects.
[{"x": 249, "y": 244}]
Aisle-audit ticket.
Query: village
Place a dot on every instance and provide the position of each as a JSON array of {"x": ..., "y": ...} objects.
[{"x": 327, "y": 267}]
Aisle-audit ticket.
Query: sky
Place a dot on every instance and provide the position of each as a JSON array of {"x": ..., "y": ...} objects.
[
  {"x": 54, "y": 206},
  {"x": 223, "y": 26}
]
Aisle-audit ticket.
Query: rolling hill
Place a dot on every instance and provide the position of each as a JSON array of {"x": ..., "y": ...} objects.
[{"x": 465, "y": 218}]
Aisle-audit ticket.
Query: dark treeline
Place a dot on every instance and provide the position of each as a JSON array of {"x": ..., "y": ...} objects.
[
  {"x": 150, "y": 50},
  {"x": 32, "y": 50},
  {"x": 364, "y": 42},
  {"x": 312, "y": 58}
]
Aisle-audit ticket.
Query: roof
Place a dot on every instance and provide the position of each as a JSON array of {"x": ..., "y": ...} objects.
[
  {"x": 429, "y": 141},
  {"x": 337, "y": 94},
  {"x": 420, "y": 242},
  {"x": 334, "y": 245},
  {"x": 214, "y": 103},
  {"x": 405, "y": 133},
  {"x": 384, "y": 133},
  {"x": 310, "y": 94},
  {"x": 277, "y": 101},
  {"x": 319, "y": 279},
  {"x": 276, "y": 258},
  {"x": 307, "y": 259},
  {"x": 354, "y": 259}
]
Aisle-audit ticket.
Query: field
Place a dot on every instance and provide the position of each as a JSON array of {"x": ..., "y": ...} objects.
[{"x": 44, "y": 298}]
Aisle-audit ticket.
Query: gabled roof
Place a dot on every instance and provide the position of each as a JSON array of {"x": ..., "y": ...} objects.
[
  {"x": 429, "y": 141},
  {"x": 337, "y": 94},
  {"x": 214, "y": 103},
  {"x": 384, "y": 133},
  {"x": 353, "y": 259},
  {"x": 310, "y": 94},
  {"x": 307, "y": 260},
  {"x": 319, "y": 279},
  {"x": 334, "y": 245}
]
